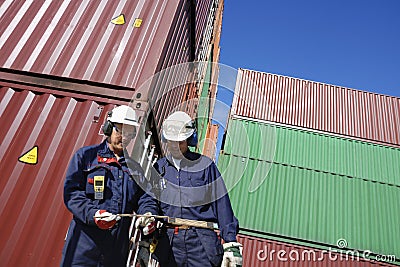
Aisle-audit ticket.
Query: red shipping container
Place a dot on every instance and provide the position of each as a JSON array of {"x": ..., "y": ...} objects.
[
  {"x": 52, "y": 124},
  {"x": 109, "y": 43},
  {"x": 318, "y": 106},
  {"x": 79, "y": 39}
]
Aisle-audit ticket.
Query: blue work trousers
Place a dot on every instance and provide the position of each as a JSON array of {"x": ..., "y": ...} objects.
[
  {"x": 90, "y": 246},
  {"x": 192, "y": 248}
]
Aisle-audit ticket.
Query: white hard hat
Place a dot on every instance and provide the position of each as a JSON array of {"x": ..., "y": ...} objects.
[
  {"x": 178, "y": 126},
  {"x": 125, "y": 115}
]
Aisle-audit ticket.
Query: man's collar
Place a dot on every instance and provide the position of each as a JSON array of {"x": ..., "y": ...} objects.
[{"x": 188, "y": 159}]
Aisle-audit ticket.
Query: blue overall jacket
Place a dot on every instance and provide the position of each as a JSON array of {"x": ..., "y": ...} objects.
[
  {"x": 86, "y": 244},
  {"x": 196, "y": 191}
]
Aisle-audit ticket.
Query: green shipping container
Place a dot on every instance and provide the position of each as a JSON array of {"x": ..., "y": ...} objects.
[
  {"x": 307, "y": 205},
  {"x": 313, "y": 150},
  {"x": 313, "y": 187}
]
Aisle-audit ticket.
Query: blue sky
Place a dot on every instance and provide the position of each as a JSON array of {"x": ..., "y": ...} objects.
[{"x": 351, "y": 43}]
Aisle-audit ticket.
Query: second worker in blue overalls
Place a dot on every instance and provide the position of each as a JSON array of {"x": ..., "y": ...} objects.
[{"x": 191, "y": 187}]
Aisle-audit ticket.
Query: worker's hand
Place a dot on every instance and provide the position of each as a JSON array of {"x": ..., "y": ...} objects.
[
  {"x": 105, "y": 220},
  {"x": 147, "y": 222},
  {"x": 232, "y": 255}
]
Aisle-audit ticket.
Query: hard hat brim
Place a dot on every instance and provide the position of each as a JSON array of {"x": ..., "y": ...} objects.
[
  {"x": 129, "y": 122},
  {"x": 178, "y": 137}
]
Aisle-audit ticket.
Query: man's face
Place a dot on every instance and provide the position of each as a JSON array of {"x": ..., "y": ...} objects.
[
  {"x": 121, "y": 136},
  {"x": 177, "y": 149}
]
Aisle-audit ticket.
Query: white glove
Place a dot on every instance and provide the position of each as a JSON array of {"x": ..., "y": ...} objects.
[
  {"x": 232, "y": 255},
  {"x": 105, "y": 219},
  {"x": 147, "y": 222}
]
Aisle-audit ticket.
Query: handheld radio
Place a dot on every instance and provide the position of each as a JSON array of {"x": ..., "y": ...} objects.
[{"x": 98, "y": 187}]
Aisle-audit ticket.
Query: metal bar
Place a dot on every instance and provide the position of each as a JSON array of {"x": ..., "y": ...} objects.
[{"x": 170, "y": 220}]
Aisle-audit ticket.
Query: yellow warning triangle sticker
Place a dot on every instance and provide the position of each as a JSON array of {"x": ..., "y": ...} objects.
[
  {"x": 30, "y": 157},
  {"x": 119, "y": 20}
]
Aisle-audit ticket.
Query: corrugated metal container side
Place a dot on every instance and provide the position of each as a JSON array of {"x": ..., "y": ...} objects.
[
  {"x": 217, "y": 31},
  {"x": 319, "y": 106},
  {"x": 313, "y": 150},
  {"x": 174, "y": 90},
  {"x": 177, "y": 85},
  {"x": 313, "y": 206},
  {"x": 259, "y": 252},
  {"x": 215, "y": 53},
  {"x": 203, "y": 115},
  {"x": 185, "y": 80},
  {"x": 63, "y": 65},
  {"x": 81, "y": 42},
  {"x": 31, "y": 196},
  {"x": 77, "y": 39},
  {"x": 208, "y": 71},
  {"x": 170, "y": 93},
  {"x": 203, "y": 11},
  {"x": 210, "y": 143}
]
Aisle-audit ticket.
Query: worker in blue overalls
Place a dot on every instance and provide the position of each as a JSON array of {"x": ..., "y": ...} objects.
[
  {"x": 192, "y": 188},
  {"x": 102, "y": 182}
]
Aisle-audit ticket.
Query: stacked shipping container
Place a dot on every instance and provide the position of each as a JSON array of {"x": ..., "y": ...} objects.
[
  {"x": 318, "y": 106},
  {"x": 80, "y": 42},
  {"x": 315, "y": 165},
  {"x": 63, "y": 65},
  {"x": 32, "y": 196}
]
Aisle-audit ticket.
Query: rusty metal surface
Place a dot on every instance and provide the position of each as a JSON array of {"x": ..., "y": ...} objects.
[
  {"x": 210, "y": 143},
  {"x": 318, "y": 106}
]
